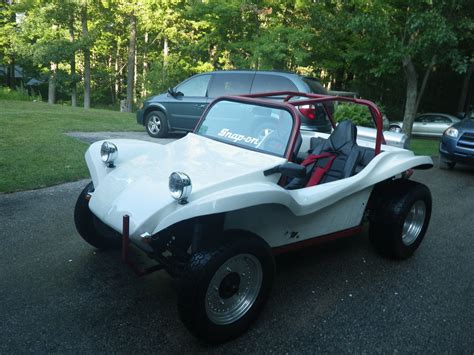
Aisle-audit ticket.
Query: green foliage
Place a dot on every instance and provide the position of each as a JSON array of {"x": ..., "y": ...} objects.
[
  {"x": 351, "y": 45},
  {"x": 167, "y": 74},
  {"x": 19, "y": 94},
  {"x": 358, "y": 114}
]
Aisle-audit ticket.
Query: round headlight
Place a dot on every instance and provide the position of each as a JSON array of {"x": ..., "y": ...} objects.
[
  {"x": 452, "y": 132},
  {"x": 180, "y": 187},
  {"x": 108, "y": 153}
]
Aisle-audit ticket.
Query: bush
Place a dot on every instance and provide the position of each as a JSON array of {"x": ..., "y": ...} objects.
[
  {"x": 358, "y": 114},
  {"x": 20, "y": 94}
]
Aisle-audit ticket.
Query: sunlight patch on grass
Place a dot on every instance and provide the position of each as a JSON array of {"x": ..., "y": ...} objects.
[{"x": 34, "y": 152}]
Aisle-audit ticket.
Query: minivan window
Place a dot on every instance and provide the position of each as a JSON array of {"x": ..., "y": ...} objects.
[
  {"x": 315, "y": 86},
  {"x": 196, "y": 86},
  {"x": 269, "y": 83},
  {"x": 230, "y": 84}
]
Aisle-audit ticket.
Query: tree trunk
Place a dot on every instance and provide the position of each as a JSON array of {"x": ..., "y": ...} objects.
[
  {"x": 87, "y": 59},
  {"x": 411, "y": 95},
  {"x": 465, "y": 88},
  {"x": 145, "y": 67},
  {"x": 52, "y": 84},
  {"x": 73, "y": 65},
  {"x": 11, "y": 74},
  {"x": 131, "y": 62},
  {"x": 118, "y": 75},
  {"x": 112, "y": 80},
  {"x": 165, "y": 57},
  {"x": 425, "y": 81}
]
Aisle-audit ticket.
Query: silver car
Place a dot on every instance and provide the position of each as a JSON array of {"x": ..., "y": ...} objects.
[{"x": 428, "y": 124}]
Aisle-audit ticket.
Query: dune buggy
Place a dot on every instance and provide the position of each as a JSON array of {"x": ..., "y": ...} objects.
[{"x": 215, "y": 207}]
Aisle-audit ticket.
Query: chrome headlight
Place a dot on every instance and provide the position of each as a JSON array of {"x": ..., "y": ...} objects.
[
  {"x": 452, "y": 132},
  {"x": 108, "y": 153},
  {"x": 180, "y": 187}
]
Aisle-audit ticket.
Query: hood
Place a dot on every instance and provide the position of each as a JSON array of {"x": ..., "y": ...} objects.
[
  {"x": 138, "y": 185},
  {"x": 465, "y": 124}
]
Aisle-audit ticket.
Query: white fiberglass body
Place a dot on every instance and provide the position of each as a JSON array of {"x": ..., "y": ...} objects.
[{"x": 228, "y": 178}]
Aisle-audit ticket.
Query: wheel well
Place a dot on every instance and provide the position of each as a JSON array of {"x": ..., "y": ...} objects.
[
  {"x": 196, "y": 232},
  {"x": 154, "y": 108}
]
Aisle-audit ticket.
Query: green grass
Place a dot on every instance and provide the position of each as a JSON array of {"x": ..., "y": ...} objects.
[
  {"x": 35, "y": 153},
  {"x": 425, "y": 146}
]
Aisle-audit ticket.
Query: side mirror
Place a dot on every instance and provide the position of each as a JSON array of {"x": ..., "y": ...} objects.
[
  {"x": 175, "y": 93},
  {"x": 288, "y": 170}
]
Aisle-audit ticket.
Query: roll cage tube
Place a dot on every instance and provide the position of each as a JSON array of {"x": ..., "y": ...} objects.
[
  {"x": 323, "y": 99},
  {"x": 260, "y": 102}
]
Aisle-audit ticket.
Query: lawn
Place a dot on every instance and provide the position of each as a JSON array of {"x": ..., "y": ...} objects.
[
  {"x": 34, "y": 152},
  {"x": 425, "y": 146}
]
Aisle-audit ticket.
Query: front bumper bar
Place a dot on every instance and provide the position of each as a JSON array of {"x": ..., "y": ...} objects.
[{"x": 126, "y": 248}]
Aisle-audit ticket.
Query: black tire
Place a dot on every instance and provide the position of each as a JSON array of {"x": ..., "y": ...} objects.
[
  {"x": 87, "y": 223},
  {"x": 446, "y": 164},
  {"x": 196, "y": 285},
  {"x": 399, "y": 204},
  {"x": 156, "y": 124}
]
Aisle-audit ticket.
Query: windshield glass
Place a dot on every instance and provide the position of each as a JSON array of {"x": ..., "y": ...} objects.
[{"x": 261, "y": 128}]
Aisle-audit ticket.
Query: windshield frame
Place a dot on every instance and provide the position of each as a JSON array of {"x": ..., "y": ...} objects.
[
  {"x": 311, "y": 99},
  {"x": 257, "y": 102}
]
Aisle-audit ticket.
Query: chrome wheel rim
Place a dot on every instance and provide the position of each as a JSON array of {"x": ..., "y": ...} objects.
[
  {"x": 154, "y": 124},
  {"x": 414, "y": 223},
  {"x": 233, "y": 289}
]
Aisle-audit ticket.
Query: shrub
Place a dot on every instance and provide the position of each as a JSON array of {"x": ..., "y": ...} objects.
[
  {"x": 20, "y": 94},
  {"x": 358, "y": 114}
]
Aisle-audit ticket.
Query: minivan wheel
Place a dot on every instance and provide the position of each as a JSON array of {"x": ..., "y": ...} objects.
[{"x": 156, "y": 124}]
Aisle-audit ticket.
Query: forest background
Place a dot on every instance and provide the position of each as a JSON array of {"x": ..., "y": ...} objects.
[{"x": 408, "y": 56}]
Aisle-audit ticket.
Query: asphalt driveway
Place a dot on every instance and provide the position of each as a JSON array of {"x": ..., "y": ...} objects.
[{"x": 58, "y": 294}]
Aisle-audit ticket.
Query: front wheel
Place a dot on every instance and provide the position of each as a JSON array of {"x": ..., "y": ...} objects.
[
  {"x": 156, "y": 124},
  {"x": 224, "y": 288},
  {"x": 446, "y": 164},
  {"x": 87, "y": 224},
  {"x": 400, "y": 218}
]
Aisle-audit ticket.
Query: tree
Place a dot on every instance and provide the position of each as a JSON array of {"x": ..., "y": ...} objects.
[
  {"x": 415, "y": 36},
  {"x": 131, "y": 62},
  {"x": 42, "y": 38},
  {"x": 7, "y": 30},
  {"x": 87, "y": 56}
]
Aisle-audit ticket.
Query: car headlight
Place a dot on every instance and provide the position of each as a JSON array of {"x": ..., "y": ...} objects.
[
  {"x": 180, "y": 187},
  {"x": 452, "y": 132},
  {"x": 108, "y": 153}
]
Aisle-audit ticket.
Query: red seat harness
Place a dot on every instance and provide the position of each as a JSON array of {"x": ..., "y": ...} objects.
[{"x": 319, "y": 172}]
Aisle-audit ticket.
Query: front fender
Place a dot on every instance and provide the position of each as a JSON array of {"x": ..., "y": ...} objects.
[
  {"x": 229, "y": 199},
  {"x": 127, "y": 149}
]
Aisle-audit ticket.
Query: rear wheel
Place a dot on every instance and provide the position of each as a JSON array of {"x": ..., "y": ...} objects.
[
  {"x": 225, "y": 287},
  {"x": 156, "y": 124},
  {"x": 400, "y": 218},
  {"x": 87, "y": 223}
]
